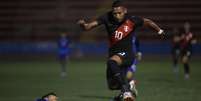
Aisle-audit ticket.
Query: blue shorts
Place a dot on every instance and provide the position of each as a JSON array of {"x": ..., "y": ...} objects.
[
  {"x": 63, "y": 53},
  {"x": 133, "y": 67},
  {"x": 63, "y": 56}
]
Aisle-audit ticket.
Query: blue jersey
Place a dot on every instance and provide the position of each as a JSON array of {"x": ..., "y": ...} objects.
[
  {"x": 63, "y": 46},
  {"x": 136, "y": 49},
  {"x": 136, "y": 45}
]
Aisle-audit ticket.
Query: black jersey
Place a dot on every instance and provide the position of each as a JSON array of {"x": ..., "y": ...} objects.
[
  {"x": 185, "y": 43},
  {"x": 120, "y": 34}
]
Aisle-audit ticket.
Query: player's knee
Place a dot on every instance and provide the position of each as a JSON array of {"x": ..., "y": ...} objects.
[
  {"x": 185, "y": 59},
  {"x": 129, "y": 75},
  {"x": 112, "y": 67},
  {"x": 111, "y": 62},
  {"x": 116, "y": 58}
]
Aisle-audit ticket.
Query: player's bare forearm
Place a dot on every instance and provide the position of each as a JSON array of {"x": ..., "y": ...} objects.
[
  {"x": 194, "y": 41},
  {"x": 87, "y": 25},
  {"x": 150, "y": 24}
]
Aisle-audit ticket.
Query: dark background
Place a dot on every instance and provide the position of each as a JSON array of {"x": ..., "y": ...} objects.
[{"x": 33, "y": 26}]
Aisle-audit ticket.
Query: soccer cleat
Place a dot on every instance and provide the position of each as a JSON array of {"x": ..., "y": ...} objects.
[
  {"x": 127, "y": 96},
  {"x": 133, "y": 88},
  {"x": 187, "y": 76}
]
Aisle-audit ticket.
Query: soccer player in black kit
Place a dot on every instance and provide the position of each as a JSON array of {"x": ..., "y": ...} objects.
[
  {"x": 120, "y": 27},
  {"x": 187, "y": 39}
]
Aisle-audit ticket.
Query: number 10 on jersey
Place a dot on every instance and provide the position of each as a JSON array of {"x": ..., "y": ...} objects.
[{"x": 118, "y": 35}]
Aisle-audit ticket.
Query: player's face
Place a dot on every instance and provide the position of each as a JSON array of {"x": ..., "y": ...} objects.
[
  {"x": 52, "y": 98},
  {"x": 119, "y": 13}
]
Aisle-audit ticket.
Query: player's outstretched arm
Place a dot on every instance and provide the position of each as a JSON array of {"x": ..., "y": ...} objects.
[
  {"x": 150, "y": 24},
  {"x": 87, "y": 25}
]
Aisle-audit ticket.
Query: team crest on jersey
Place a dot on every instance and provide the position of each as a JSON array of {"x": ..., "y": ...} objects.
[{"x": 126, "y": 28}]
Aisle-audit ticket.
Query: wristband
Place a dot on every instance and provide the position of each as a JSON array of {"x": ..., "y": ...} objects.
[{"x": 160, "y": 31}]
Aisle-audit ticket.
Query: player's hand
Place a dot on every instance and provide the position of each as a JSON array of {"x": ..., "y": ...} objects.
[
  {"x": 161, "y": 33},
  {"x": 194, "y": 41},
  {"x": 81, "y": 22}
]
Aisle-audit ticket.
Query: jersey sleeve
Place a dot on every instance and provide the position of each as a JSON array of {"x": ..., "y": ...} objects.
[
  {"x": 138, "y": 21},
  {"x": 101, "y": 19}
]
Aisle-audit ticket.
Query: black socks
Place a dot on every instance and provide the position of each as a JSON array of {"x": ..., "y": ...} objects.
[
  {"x": 116, "y": 71},
  {"x": 186, "y": 68}
]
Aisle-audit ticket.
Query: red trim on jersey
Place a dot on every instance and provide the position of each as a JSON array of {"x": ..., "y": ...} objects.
[
  {"x": 121, "y": 32},
  {"x": 186, "y": 38}
]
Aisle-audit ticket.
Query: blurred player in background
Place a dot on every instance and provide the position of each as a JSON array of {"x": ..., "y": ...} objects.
[
  {"x": 120, "y": 27},
  {"x": 49, "y": 97},
  {"x": 187, "y": 39},
  {"x": 175, "y": 49},
  {"x": 138, "y": 56},
  {"x": 63, "y": 52},
  {"x": 137, "y": 51}
]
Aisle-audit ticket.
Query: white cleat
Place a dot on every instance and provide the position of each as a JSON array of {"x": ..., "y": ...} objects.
[
  {"x": 128, "y": 96},
  {"x": 133, "y": 88}
]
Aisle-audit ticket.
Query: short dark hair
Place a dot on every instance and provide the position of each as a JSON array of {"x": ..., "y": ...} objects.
[
  {"x": 51, "y": 93},
  {"x": 118, "y": 3}
]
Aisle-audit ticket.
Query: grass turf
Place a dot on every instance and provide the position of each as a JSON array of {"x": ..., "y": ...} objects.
[{"x": 85, "y": 81}]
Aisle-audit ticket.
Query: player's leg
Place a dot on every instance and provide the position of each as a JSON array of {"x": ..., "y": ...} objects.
[
  {"x": 114, "y": 85},
  {"x": 129, "y": 75},
  {"x": 112, "y": 81},
  {"x": 131, "y": 78},
  {"x": 63, "y": 61},
  {"x": 185, "y": 61},
  {"x": 175, "y": 57},
  {"x": 113, "y": 65}
]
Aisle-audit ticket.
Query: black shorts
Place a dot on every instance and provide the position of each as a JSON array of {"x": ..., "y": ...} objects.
[
  {"x": 126, "y": 56},
  {"x": 186, "y": 52}
]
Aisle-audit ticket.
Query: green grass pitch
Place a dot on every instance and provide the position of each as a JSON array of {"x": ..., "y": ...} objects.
[{"x": 85, "y": 81}]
